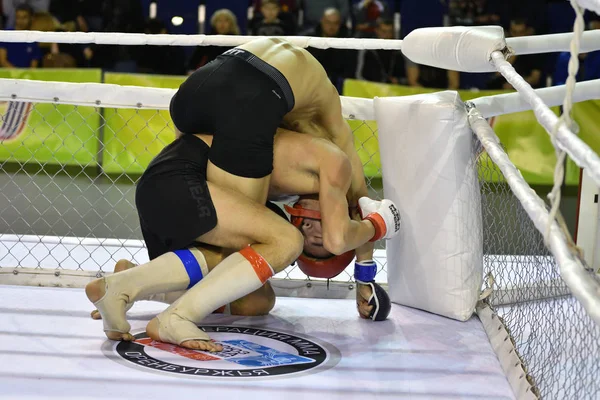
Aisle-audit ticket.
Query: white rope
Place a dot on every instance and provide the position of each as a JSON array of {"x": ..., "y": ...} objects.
[
  {"x": 581, "y": 153},
  {"x": 574, "y": 274},
  {"x": 138, "y": 39},
  {"x": 117, "y": 96},
  {"x": 557, "y": 42},
  {"x": 508, "y": 103},
  {"x": 590, "y": 40},
  {"x": 565, "y": 119}
]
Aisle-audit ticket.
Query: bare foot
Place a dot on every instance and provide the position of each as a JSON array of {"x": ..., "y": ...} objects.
[
  {"x": 121, "y": 265},
  {"x": 116, "y": 326},
  {"x": 153, "y": 327}
]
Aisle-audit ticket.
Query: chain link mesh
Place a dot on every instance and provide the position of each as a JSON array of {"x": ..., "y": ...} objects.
[
  {"x": 67, "y": 185},
  {"x": 558, "y": 343}
]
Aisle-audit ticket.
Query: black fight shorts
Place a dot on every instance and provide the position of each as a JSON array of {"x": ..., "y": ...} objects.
[
  {"x": 240, "y": 100},
  {"x": 172, "y": 198}
]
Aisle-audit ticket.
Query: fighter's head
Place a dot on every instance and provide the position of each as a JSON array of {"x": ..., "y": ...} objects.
[{"x": 315, "y": 260}]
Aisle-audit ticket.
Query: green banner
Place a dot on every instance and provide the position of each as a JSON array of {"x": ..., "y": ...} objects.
[
  {"x": 132, "y": 138},
  {"x": 48, "y": 133},
  {"x": 525, "y": 140}
]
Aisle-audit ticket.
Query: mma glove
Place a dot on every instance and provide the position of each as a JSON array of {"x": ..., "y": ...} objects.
[
  {"x": 384, "y": 216},
  {"x": 364, "y": 274}
]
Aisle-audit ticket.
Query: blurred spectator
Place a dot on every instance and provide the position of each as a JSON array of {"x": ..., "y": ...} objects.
[
  {"x": 53, "y": 55},
  {"x": 79, "y": 15},
  {"x": 338, "y": 63},
  {"x": 222, "y": 22},
  {"x": 20, "y": 54},
  {"x": 471, "y": 12},
  {"x": 166, "y": 60},
  {"x": 530, "y": 66},
  {"x": 314, "y": 9},
  {"x": 117, "y": 16},
  {"x": 386, "y": 66},
  {"x": 589, "y": 63},
  {"x": 367, "y": 13},
  {"x": 271, "y": 21},
  {"x": 9, "y": 9},
  {"x": 431, "y": 77},
  {"x": 289, "y": 10}
]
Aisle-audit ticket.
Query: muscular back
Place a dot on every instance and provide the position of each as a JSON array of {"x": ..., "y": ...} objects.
[
  {"x": 298, "y": 161},
  {"x": 314, "y": 95}
]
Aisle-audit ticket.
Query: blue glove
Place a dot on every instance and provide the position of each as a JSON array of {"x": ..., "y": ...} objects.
[{"x": 364, "y": 274}]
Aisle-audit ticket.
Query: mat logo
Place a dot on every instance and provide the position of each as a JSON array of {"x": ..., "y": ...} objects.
[
  {"x": 247, "y": 352},
  {"x": 14, "y": 119}
]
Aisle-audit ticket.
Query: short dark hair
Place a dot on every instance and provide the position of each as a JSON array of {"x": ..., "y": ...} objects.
[
  {"x": 274, "y": 2},
  {"x": 25, "y": 7}
]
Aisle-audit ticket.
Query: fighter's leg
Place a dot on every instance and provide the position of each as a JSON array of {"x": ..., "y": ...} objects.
[
  {"x": 275, "y": 244},
  {"x": 259, "y": 302},
  {"x": 121, "y": 265},
  {"x": 212, "y": 255},
  {"x": 169, "y": 272}
]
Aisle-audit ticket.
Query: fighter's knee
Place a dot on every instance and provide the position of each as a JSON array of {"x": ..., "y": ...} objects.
[{"x": 291, "y": 243}]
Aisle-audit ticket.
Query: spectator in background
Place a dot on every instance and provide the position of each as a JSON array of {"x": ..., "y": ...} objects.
[
  {"x": 530, "y": 66},
  {"x": 338, "y": 63},
  {"x": 385, "y": 66},
  {"x": 21, "y": 55},
  {"x": 271, "y": 21},
  {"x": 222, "y": 22},
  {"x": 53, "y": 54},
  {"x": 471, "y": 13},
  {"x": 589, "y": 63},
  {"x": 92, "y": 14},
  {"x": 431, "y": 77},
  {"x": 79, "y": 15},
  {"x": 117, "y": 16},
  {"x": 9, "y": 9},
  {"x": 289, "y": 10},
  {"x": 314, "y": 10},
  {"x": 165, "y": 60},
  {"x": 367, "y": 13}
]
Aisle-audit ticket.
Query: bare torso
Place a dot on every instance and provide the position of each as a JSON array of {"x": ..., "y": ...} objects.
[
  {"x": 296, "y": 163},
  {"x": 313, "y": 92}
]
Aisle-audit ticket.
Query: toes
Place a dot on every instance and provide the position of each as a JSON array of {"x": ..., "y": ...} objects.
[{"x": 202, "y": 345}]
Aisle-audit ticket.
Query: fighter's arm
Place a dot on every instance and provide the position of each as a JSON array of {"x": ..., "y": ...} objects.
[
  {"x": 332, "y": 119},
  {"x": 340, "y": 233}
]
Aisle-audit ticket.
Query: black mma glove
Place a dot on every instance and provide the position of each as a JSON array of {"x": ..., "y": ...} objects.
[{"x": 364, "y": 274}]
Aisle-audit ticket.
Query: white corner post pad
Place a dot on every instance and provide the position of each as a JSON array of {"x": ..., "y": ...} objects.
[
  {"x": 456, "y": 48},
  {"x": 593, "y": 5},
  {"x": 429, "y": 170}
]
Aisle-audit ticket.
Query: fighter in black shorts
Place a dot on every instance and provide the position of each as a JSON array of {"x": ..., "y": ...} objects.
[{"x": 240, "y": 99}]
